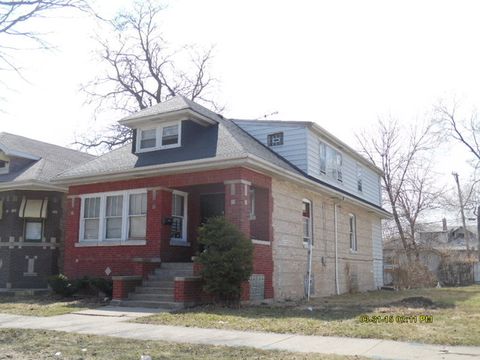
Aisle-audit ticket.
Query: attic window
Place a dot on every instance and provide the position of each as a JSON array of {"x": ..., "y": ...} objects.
[
  {"x": 3, "y": 167},
  {"x": 275, "y": 139}
]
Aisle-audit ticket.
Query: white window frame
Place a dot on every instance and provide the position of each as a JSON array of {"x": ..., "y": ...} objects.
[
  {"x": 159, "y": 134},
  {"x": 103, "y": 219},
  {"x": 252, "y": 204},
  {"x": 352, "y": 232},
  {"x": 333, "y": 164},
  {"x": 184, "y": 240},
  {"x": 139, "y": 139},
  {"x": 306, "y": 240}
]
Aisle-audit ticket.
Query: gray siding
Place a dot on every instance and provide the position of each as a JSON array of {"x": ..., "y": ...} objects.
[
  {"x": 349, "y": 169},
  {"x": 294, "y": 147}
]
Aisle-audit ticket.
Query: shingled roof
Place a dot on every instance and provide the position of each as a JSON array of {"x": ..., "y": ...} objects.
[
  {"x": 38, "y": 161},
  {"x": 232, "y": 143}
]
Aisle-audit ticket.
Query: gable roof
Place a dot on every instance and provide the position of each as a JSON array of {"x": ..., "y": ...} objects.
[
  {"x": 40, "y": 161},
  {"x": 322, "y": 133}
]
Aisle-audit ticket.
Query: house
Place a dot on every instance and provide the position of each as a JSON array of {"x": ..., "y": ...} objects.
[
  {"x": 31, "y": 209},
  {"x": 310, "y": 204},
  {"x": 434, "y": 245}
]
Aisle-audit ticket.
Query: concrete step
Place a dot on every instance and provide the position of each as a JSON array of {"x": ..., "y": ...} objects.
[
  {"x": 179, "y": 266},
  {"x": 169, "y": 305},
  {"x": 158, "y": 283},
  {"x": 151, "y": 297},
  {"x": 154, "y": 289},
  {"x": 172, "y": 273}
]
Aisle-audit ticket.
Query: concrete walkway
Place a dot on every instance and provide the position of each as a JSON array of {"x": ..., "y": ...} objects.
[{"x": 112, "y": 321}]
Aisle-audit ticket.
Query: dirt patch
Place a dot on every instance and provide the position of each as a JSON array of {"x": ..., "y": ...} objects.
[{"x": 416, "y": 302}]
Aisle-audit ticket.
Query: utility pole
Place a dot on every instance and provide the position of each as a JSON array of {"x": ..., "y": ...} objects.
[{"x": 460, "y": 198}]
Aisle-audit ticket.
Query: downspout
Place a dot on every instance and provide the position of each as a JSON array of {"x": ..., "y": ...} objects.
[
  {"x": 310, "y": 254},
  {"x": 335, "y": 220}
]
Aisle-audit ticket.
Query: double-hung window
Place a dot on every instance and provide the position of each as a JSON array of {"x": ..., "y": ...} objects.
[
  {"x": 137, "y": 217},
  {"x": 330, "y": 162},
  {"x": 114, "y": 217},
  {"x": 252, "y": 204},
  {"x": 148, "y": 138},
  {"x": 307, "y": 221},
  {"x": 178, "y": 234},
  {"x": 352, "y": 233},
  {"x": 91, "y": 218},
  {"x": 164, "y": 136}
]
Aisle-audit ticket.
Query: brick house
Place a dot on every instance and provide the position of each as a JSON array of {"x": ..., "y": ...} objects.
[
  {"x": 31, "y": 209},
  {"x": 310, "y": 204}
]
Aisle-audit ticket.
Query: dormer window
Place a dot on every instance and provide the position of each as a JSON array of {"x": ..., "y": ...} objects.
[
  {"x": 170, "y": 135},
  {"x": 164, "y": 136},
  {"x": 148, "y": 138},
  {"x": 4, "y": 167}
]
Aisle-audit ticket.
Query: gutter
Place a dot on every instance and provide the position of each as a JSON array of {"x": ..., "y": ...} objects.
[
  {"x": 32, "y": 185},
  {"x": 249, "y": 160},
  {"x": 335, "y": 221}
]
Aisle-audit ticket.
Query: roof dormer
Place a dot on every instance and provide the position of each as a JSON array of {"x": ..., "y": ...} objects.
[{"x": 160, "y": 127}]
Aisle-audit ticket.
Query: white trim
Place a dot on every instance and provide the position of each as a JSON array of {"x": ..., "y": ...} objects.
[
  {"x": 183, "y": 114},
  {"x": 158, "y": 137},
  {"x": 310, "y": 218},
  {"x": 184, "y": 240},
  {"x": 89, "y": 243},
  {"x": 102, "y": 219}
]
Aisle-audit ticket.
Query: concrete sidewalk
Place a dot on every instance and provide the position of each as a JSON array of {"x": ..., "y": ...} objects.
[{"x": 112, "y": 321}]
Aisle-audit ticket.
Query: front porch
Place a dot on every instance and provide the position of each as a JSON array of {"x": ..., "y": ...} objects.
[{"x": 176, "y": 205}]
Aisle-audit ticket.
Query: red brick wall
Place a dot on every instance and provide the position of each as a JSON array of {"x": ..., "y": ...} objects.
[{"x": 93, "y": 261}]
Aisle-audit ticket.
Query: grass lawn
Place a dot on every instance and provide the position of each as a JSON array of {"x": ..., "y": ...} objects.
[
  {"x": 455, "y": 313},
  {"x": 44, "y": 305},
  {"x": 41, "y": 344}
]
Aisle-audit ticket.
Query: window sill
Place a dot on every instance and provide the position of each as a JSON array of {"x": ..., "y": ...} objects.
[
  {"x": 110, "y": 243},
  {"x": 179, "y": 242},
  {"x": 261, "y": 242}
]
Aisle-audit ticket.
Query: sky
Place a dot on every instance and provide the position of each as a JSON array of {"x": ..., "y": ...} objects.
[{"x": 342, "y": 64}]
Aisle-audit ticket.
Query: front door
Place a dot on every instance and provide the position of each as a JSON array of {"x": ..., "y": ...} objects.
[{"x": 211, "y": 205}]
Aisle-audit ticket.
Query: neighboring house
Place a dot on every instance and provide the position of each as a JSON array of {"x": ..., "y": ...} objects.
[
  {"x": 433, "y": 245},
  {"x": 31, "y": 209},
  {"x": 289, "y": 186}
]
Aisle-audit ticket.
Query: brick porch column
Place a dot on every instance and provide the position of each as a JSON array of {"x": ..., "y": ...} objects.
[{"x": 237, "y": 207}]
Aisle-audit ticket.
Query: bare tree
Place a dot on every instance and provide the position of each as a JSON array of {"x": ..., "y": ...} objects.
[
  {"x": 465, "y": 130},
  {"x": 407, "y": 183},
  {"x": 143, "y": 70},
  {"x": 15, "y": 16}
]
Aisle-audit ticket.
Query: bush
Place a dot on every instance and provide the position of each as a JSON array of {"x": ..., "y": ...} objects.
[
  {"x": 455, "y": 273},
  {"x": 61, "y": 285},
  {"x": 101, "y": 285},
  {"x": 413, "y": 275},
  {"x": 227, "y": 259}
]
